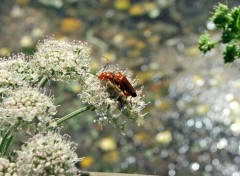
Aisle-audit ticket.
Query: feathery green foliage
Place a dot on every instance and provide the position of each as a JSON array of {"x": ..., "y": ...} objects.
[{"x": 227, "y": 20}]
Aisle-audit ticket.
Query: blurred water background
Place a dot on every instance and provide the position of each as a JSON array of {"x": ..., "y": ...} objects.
[{"x": 193, "y": 121}]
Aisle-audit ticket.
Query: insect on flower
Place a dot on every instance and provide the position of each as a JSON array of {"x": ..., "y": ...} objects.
[{"x": 120, "y": 81}]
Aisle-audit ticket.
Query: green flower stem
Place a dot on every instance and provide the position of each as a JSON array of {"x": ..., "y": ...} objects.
[
  {"x": 42, "y": 82},
  {"x": 69, "y": 116}
]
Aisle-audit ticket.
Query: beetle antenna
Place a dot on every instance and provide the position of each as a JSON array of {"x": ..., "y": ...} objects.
[{"x": 107, "y": 64}]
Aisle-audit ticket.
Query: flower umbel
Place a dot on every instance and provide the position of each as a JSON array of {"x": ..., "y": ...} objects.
[
  {"x": 61, "y": 60},
  {"x": 19, "y": 65},
  {"x": 109, "y": 101},
  {"x": 7, "y": 167},
  {"x": 9, "y": 80},
  {"x": 26, "y": 105},
  {"x": 47, "y": 154}
]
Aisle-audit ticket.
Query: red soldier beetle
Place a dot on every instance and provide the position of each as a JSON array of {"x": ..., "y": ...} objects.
[{"x": 119, "y": 80}]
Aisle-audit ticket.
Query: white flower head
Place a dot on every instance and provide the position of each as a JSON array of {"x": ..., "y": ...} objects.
[
  {"x": 61, "y": 60},
  {"x": 19, "y": 65},
  {"x": 10, "y": 80},
  {"x": 26, "y": 105},
  {"x": 47, "y": 154},
  {"x": 110, "y": 103},
  {"x": 7, "y": 167}
]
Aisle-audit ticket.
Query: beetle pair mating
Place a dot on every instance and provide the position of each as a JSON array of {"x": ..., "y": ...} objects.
[{"x": 120, "y": 81}]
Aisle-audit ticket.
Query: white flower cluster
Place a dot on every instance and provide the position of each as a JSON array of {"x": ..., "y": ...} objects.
[
  {"x": 109, "y": 101},
  {"x": 92, "y": 91},
  {"x": 47, "y": 154},
  {"x": 9, "y": 80},
  {"x": 57, "y": 60},
  {"x": 19, "y": 66},
  {"x": 61, "y": 60},
  {"x": 7, "y": 167},
  {"x": 26, "y": 105},
  {"x": 23, "y": 106}
]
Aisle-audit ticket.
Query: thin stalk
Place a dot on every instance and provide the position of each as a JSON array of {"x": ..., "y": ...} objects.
[
  {"x": 42, "y": 82},
  {"x": 69, "y": 116}
]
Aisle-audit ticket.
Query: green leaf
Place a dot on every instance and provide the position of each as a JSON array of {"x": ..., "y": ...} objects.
[
  {"x": 221, "y": 16},
  {"x": 4, "y": 141},
  {"x": 238, "y": 21},
  {"x": 230, "y": 53},
  {"x": 8, "y": 144},
  {"x": 205, "y": 43}
]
